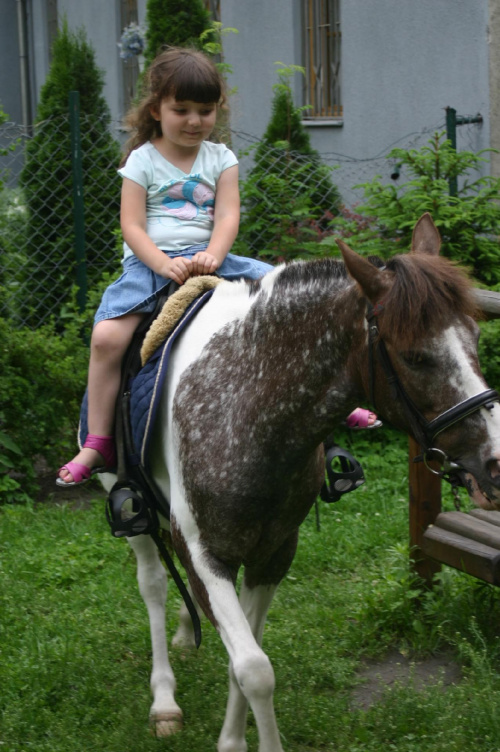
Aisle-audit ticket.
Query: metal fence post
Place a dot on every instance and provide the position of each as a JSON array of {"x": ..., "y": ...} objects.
[
  {"x": 78, "y": 205},
  {"x": 452, "y": 120},
  {"x": 451, "y": 135}
]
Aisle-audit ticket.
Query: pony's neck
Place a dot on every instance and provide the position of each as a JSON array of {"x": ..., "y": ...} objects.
[
  {"x": 302, "y": 348},
  {"x": 273, "y": 382}
]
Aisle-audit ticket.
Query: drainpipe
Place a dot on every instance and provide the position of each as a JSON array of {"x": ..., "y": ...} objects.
[{"x": 22, "y": 29}]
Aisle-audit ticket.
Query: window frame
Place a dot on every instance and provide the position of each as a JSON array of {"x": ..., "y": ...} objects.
[
  {"x": 213, "y": 6},
  {"x": 322, "y": 61}
]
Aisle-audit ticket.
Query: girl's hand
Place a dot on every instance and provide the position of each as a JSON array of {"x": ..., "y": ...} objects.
[
  {"x": 178, "y": 269},
  {"x": 203, "y": 263}
]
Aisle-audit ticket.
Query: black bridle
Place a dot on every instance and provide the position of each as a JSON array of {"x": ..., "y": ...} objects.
[{"x": 423, "y": 430}]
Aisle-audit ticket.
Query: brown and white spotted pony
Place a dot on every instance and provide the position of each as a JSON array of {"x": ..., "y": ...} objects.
[{"x": 257, "y": 381}]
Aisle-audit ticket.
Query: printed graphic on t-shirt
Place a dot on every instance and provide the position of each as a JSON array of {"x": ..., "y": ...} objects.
[{"x": 186, "y": 199}]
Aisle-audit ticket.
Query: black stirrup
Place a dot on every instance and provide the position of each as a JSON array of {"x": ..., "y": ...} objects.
[{"x": 339, "y": 483}]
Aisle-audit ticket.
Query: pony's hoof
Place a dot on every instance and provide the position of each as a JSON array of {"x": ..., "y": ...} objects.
[{"x": 165, "y": 724}]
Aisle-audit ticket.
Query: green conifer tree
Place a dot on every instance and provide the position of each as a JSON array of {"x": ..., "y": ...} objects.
[
  {"x": 48, "y": 184},
  {"x": 177, "y": 23},
  {"x": 288, "y": 197}
]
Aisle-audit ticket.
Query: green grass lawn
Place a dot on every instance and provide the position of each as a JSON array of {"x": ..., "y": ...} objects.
[{"x": 75, "y": 652}]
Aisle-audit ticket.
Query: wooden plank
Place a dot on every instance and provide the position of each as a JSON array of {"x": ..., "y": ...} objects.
[
  {"x": 493, "y": 517},
  {"x": 468, "y": 555},
  {"x": 425, "y": 505},
  {"x": 489, "y": 302},
  {"x": 470, "y": 527}
]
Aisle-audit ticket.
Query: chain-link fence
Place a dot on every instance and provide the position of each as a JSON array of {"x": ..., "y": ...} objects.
[
  {"x": 39, "y": 227},
  {"x": 38, "y": 267}
]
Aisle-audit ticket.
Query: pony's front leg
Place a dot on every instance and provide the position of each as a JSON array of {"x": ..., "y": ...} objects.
[
  {"x": 251, "y": 667},
  {"x": 255, "y": 603},
  {"x": 165, "y": 715}
]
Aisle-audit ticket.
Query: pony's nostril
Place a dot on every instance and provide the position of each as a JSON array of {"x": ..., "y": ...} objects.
[{"x": 493, "y": 468}]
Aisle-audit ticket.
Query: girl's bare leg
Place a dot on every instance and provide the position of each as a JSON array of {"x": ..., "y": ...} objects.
[{"x": 110, "y": 340}]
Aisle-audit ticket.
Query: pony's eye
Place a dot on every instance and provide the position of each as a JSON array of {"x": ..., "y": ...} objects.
[{"x": 415, "y": 358}]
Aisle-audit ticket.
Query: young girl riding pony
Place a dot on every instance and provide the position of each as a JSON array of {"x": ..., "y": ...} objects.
[{"x": 180, "y": 212}]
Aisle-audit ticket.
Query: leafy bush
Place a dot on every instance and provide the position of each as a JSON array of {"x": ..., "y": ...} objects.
[
  {"x": 12, "y": 232},
  {"x": 43, "y": 374},
  {"x": 42, "y": 377},
  {"x": 13, "y": 220},
  {"x": 47, "y": 177},
  {"x": 469, "y": 223},
  {"x": 288, "y": 198},
  {"x": 489, "y": 355}
]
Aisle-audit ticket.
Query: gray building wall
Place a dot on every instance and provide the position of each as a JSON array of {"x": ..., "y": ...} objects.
[
  {"x": 494, "y": 55},
  {"x": 402, "y": 63},
  {"x": 101, "y": 20},
  {"x": 10, "y": 82}
]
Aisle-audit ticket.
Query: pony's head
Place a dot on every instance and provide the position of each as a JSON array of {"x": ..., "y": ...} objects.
[{"x": 423, "y": 313}]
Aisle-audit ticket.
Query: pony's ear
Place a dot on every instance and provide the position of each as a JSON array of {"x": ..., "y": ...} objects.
[
  {"x": 426, "y": 237},
  {"x": 372, "y": 281}
]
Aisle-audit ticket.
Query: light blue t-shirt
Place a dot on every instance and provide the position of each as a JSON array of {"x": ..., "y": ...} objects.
[{"x": 179, "y": 206}]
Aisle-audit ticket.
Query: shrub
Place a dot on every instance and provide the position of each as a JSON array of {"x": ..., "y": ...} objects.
[
  {"x": 489, "y": 356},
  {"x": 12, "y": 229},
  {"x": 47, "y": 178},
  {"x": 469, "y": 223},
  {"x": 43, "y": 374},
  {"x": 13, "y": 218},
  {"x": 288, "y": 198},
  {"x": 177, "y": 23}
]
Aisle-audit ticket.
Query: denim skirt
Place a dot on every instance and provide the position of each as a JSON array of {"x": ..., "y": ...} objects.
[{"x": 138, "y": 288}]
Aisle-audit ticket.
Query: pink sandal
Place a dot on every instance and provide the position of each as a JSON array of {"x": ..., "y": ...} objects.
[
  {"x": 105, "y": 445},
  {"x": 359, "y": 418}
]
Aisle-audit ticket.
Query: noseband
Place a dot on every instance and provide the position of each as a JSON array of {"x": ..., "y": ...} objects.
[{"x": 423, "y": 430}]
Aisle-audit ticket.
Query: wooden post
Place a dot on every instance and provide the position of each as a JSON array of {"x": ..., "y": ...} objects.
[{"x": 425, "y": 505}]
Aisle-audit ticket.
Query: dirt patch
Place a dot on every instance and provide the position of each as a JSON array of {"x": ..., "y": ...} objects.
[
  {"x": 376, "y": 676},
  {"x": 78, "y": 498}
]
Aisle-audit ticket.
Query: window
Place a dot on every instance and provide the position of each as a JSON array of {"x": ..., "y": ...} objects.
[
  {"x": 322, "y": 39},
  {"x": 214, "y": 7}
]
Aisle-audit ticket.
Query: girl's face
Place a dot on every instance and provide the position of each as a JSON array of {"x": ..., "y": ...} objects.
[{"x": 186, "y": 123}]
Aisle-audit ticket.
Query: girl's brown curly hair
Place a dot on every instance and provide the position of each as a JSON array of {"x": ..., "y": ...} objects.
[{"x": 182, "y": 73}]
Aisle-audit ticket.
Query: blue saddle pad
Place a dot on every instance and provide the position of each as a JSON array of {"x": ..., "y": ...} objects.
[{"x": 146, "y": 389}]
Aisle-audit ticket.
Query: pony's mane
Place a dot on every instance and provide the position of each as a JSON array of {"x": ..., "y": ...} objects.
[
  {"x": 427, "y": 294},
  {"x": 309, "y": 273}
]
